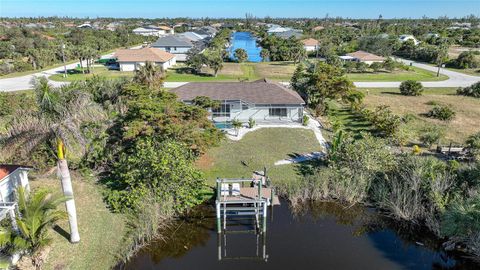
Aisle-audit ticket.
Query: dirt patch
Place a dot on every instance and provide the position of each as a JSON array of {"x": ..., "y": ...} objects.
[
  {"x": 204, "y": 162},
  {"x": 465, "y": 123}
]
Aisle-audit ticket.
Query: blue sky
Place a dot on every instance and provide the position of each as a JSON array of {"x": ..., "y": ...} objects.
[{"x": 238, "y": 8}]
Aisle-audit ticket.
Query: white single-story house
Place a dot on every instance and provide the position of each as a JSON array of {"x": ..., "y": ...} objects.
[
  {"x": 365, "y": 57},
  {"x": 12, "y": 177},
  {"x": 133, "y": 59},
  {"x": 262, "y": 100},
  {"x": 151, "y": 30},
  {"x": 310, "y": 44},
  {"x": 404, "y": 38}
]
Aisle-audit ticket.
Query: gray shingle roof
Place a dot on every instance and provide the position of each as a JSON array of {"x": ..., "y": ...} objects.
[
  {"x": 172, "y": 41},
  {"x": 258, "y": 92}
]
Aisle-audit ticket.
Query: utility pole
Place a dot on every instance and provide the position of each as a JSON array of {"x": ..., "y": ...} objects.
[{"x": 63, "y": 58}]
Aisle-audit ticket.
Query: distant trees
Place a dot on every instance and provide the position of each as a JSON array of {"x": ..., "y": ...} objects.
[
  {"x": 265, "y": 54},
  {"x": 280, "y": 49},
  {"x": 241, "y": 55},
  {"x": 465, "y": 60},
  {"x": 411, "y": 88},
  {"x": 376, "y": 44},
  {"x": 320, "y": 82}
]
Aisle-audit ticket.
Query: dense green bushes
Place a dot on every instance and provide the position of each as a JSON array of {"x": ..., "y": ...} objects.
[
  {"x": 441, "y": 112},
  {"x": 162, "y": 169},
  {"x": 411, "y": 88},
  {"x": 471, "y": 91},
  {"x": 465, "y": 60},
  {"x": 423, "y": 190}
]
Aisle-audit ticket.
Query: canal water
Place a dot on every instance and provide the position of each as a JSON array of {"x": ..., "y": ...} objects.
[
  {"x": 248, "y": 42},
  {"x": 318, "y": 236}
]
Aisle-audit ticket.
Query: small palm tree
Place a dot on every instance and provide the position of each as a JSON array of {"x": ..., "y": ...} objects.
[
  {"x": 36, "y": 214},
  {"x": 236, "y": 124},
  {"x": 151, "y": 75},
  {"x": 61, "y": 113}
]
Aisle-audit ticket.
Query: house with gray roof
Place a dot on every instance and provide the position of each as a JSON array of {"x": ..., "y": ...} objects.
[
  {"x": 262, "y": 100},
  {"x": 177, "y": 45}
]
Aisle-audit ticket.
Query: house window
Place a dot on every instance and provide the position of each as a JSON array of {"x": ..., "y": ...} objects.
[
  {"x": 244, "y": 106},
  {"x": 277, "y": 112},
  {"x": 222, "y": 111},
  {"x": 167, "y": 49}
]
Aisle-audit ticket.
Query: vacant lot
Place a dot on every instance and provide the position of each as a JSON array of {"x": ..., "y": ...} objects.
[
  {"x": 465, "y": 123},
  {"x": 101, "y": 231},
  {"x": 256, "y": 150},
  {"x": 415, "y": 73}
]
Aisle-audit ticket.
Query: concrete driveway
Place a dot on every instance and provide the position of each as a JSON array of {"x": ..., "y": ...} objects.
[{"x": 455, "y": 79}]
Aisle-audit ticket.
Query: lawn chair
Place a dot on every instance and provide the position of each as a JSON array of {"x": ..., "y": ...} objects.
[
  {"x": 225, "y": 190},
  {"x": 236, "y": 189}
]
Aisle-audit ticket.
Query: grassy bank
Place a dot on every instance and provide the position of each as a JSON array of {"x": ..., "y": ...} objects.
[
  {"x": 101, "y": 231},
  {"x": 258, "y": 149},
  {"x": 415, "y": 73}
]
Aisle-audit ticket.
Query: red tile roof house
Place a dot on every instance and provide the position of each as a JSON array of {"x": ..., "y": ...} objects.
[
  {"x": 310, "y": 44},
  {"x": 262, "y": 100},
  {"x": 132, "y": 59},
  {"x": 361, "y": 56}
]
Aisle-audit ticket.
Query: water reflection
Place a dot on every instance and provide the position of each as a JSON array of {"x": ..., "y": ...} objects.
[{"x": 326, "y": 235}]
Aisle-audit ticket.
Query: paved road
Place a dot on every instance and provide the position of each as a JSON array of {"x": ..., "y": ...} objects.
[{"x": 456, "y": 79}]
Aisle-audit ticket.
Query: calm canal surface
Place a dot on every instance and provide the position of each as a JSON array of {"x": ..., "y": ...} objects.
[
  {"x": 248, "y": 42},
  {"x": 322, "y": 236}
]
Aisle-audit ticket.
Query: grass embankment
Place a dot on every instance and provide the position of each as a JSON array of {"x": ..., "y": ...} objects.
[
  {"x": 277, "y": 71},
  {"x": 415, "y": 73},
  {"x": 465, "y": 123},
  {"x": 258, "y": 149},
  {"x": 101, "y": 231}
]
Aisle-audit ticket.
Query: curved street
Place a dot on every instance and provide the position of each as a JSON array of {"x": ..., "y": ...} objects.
[{"x": 456, "y": 79}]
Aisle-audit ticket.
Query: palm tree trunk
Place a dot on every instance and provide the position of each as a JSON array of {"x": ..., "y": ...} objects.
[{"x": 68, "y": 191}]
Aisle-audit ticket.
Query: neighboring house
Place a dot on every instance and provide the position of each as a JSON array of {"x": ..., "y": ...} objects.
[
  {"x": 262, "y": 100},
  {"x": 318, "y": 28},
  {"x": 404, "y": 38},
  {"x": 133, "y": 59},
  {"x": 289, "y": 34},
  {"x": 275, "y": 28},
  {"x": 206, "y": 31},
  {"x": 151, "y": 30},
  {"x": 365, "y": 57},
  {"x": 192, "y": 36},
  {"x": 310, "y": 44},
  {"x": 166, "y": 30},
  {"x": 85, "y": 25},
  {"x": 12, "y": 177},
  {"x": 179, "y": 46}
]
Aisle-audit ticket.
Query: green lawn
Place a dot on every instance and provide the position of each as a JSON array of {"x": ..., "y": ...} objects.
[
  {"x": 416, "y": 74},
  {"x": 101, "y": 231},
  {"x": 97, "y": 70},
  {"x": 258, "y": 149}
]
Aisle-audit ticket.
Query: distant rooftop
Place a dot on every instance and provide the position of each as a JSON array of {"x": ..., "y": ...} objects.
[{"x": 172, "y": 41}]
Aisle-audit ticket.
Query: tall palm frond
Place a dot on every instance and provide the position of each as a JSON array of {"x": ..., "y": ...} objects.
[{"x": 62, "y": 112}]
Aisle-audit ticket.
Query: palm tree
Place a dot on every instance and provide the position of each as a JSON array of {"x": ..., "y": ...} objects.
[
  {"x": 61, "y": 113},
  {"x": 236, "y": 124},
  {"x": 151, "y": 75},
  {"x": 37, "y": 212}
]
